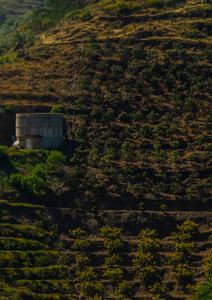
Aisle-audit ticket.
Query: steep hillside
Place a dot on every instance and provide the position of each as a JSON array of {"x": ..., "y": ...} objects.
[
  {"x": 12, "y": 12},
  {"x": 139, "y": 88},
  {"x": 134, "y": 83}
]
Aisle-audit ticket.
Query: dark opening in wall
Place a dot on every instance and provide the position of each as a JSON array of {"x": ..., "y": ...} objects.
[{"x": 7, "y": 128}]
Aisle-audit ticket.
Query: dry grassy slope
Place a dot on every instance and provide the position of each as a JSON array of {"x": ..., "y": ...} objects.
[{"x": 59, "y": 50}]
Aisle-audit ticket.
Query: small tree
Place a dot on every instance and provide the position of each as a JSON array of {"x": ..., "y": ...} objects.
[
  {"x": 114, "y": 274},
  {"x": 142, "y": 259},
  {"x": 55, "y": 160},
  {"x": 92, "y": 289},
  {"x": 81, "y": 245},
  {"x": 124, "y": 288},
  {"x": 109, "y": 232},
  {"x": 82, "y": 260},
  {"x": 113, "y": 245},
  {"x": 55, "y": 110},
  {"x": 148, "y": 274},
  {"x": 115, "y": 259},
  {"x": 183, "y": 274},
  {"x": 77, "y": 233},
  {"x": 87, "y": 274}
]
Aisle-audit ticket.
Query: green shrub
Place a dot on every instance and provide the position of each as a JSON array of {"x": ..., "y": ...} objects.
[
  {"x": 55, "y": 110},
  {"x": 184, "y": 247},
  {"x": 142, "y": 259},
  {"x": 37, "y": 182},
  {"x": 188, "y": 227},
  {"x": 90, "y": 49},
  {"x": 148, "y": 245},
  {"x": 113, "y": 245},
  {"x": 148, "y": 233},
  {"x": 49, "y": 272},
  {"x": 9, "y": 108},
  {"x": 122, "y": 297},
  {"x": 49, "y": 286},
  {"x": 157, "y": 3},
  {"x": 15, "y": 181},
  {"x": 181, "y": 237},
  {"x": 148, "y": 274},
  {"x": 51, "y": 297},
  {"x": 163, "y": 207},
  {"x": 183, "y": 274},
  {"x": 70, "y": 15},
  {"x": 114, "y": 274},
  {"x": 26, "y": 184},
  {"x": 86, "y": 274},
  {"x": 46, "y": 23},
  {"x": 141, "y": 206},
  {"x": 77, "y": 233},
  {"x": 25, "y": 231},
  {"x": 55, "y": 160},
  {"x": 92, "y": 288},
  {"x": 185, "y": 231},
  {"x": 109, "y": 232},
  {"x": 81, "y": 245},
  {"x": 84, "y": 16},
  {"x": 124, "y": 288},
  {"x": 176, "y": 259},
  {"x": 204, "y": 291},
  {"x": 9, "y": 243},
  {"x": 39, "y": 172},
  {"x": 21, "y": 36},
  {"x": 115, "y": 259},
  {"x": 34, "y": 183},
  {"x": 38, "y": 185},
  {"x": 17, "y": 293},
  {"x": 208, "y": 266},
  {"x": 158, "y": 289},
  {"x": 157, "y": 297},
  {"x": 120, "y": 5},
  {"x": 124, "y": 116},
  {"x": 82, "y": 260}
]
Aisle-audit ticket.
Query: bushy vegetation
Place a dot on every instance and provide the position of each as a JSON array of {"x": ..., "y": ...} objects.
[
  {"x": 115, "y": 274},
  {"x": 122, "y": 6},
  {"x": 30, "y": 171},
  {"x": 4, "y": 156},
  {"x": 81, "y": 245},
  {"x": 204, "y": 292}
]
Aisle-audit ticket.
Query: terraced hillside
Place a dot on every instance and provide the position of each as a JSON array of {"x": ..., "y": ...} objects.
[
  {"x": 134, "y": 83},
  {"x": 129, "y": 260},
  {"x": 29, "y": 268},
  {"x": 137, "y": 88}
]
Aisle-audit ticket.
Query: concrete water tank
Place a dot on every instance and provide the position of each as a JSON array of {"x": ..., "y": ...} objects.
[{"x": 47, "y": 127}]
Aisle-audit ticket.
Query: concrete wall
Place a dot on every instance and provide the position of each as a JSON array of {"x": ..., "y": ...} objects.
[
  {"x": 31, "y": 142},
  {"x": 49, "y": 126}
]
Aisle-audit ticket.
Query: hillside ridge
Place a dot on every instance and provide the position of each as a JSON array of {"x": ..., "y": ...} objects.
[{"x": 124, "y": 208}]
